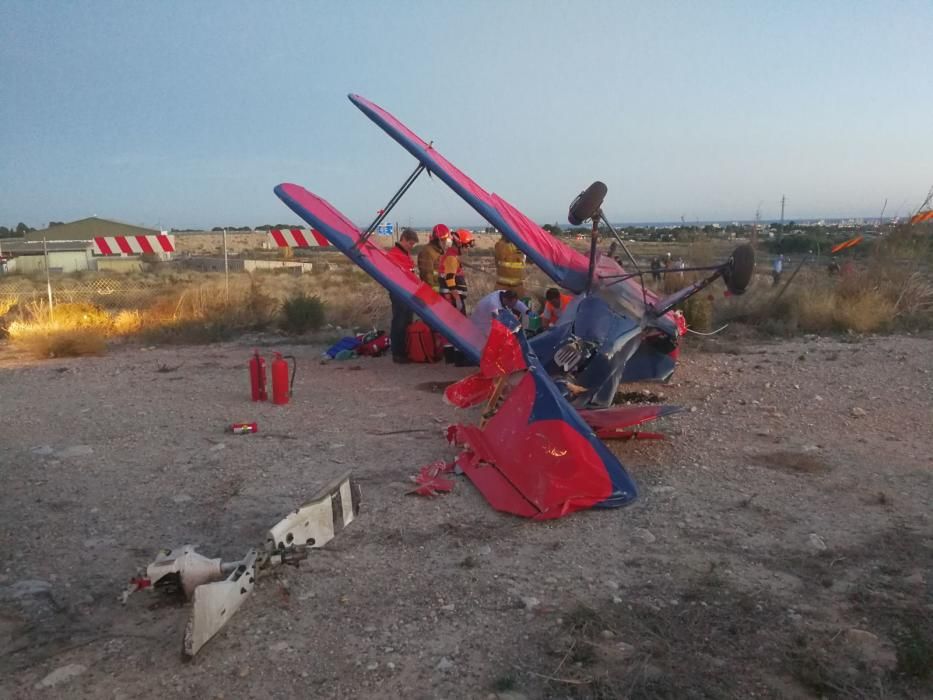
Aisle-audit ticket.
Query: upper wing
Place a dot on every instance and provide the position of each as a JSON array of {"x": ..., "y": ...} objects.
[
  {"x": 422, "y": 299},
  {"x": 566, "y": 266},
  {"x": 560, "y": 262}
]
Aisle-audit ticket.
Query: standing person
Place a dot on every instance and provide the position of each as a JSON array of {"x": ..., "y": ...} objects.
[
  {"x": 453, "y": 286},
  {"x": 510, "y": 266},
  {"x": 554, "y": 306},
  {"x": 656, "y": 268},
  {"x": 490, "y": 305},
  {"x": 777, "y": 268},
  {"x": 430, "y": 255},
  {"x": 400, "y": 254}
]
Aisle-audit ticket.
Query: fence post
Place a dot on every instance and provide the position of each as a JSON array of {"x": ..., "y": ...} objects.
[{"x": 48, "y": 275}]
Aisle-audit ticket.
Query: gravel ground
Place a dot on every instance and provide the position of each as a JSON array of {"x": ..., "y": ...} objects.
[{"x": 781, "y": 548}]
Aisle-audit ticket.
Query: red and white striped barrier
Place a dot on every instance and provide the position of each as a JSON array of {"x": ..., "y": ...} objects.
[
  {"x": 297, "y": 238},
  {"x": 134, "y": 245}
]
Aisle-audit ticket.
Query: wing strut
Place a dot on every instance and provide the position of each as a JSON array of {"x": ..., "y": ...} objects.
[{"x": 383, "y": 213}]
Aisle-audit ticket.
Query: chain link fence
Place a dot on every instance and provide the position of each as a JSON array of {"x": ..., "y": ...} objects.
[{"x": 109, "y": 293}]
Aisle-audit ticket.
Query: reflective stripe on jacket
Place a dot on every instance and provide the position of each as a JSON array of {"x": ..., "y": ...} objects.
[
  {"x": 510, "y": 264},
  {"x": 450, "y": 273}
]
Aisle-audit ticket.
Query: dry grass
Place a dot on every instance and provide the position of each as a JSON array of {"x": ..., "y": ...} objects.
[
  {"x": 877, "y": 298},
  {"x": 71, "y": 330},
  {"x": 170, "y": 306},
  {"x": 187, "y": 308}
]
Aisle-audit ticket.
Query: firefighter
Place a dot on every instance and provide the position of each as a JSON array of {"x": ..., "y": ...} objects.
[
  {"x": 510, "y": 266},
  {"x": 400, "y": 254},
  {"x": 554, "y": 306},
  {"x": 430, "y": 255},
  {"x": 450, "y": 270}
]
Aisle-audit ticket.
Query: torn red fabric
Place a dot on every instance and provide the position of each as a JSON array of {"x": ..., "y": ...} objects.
[
  {"x": 610, "y": 420},
  {"x": 502, "y": 355},
  {"x": 429, "y": 481},
  {"x": 471, "y": 391}
]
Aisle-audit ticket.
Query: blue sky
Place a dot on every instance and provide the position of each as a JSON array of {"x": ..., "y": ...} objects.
[{"x": 187, "y": 114}]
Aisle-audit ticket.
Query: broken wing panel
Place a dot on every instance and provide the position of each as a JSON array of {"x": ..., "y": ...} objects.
[
  {"x": 419, "y": 297},
  {"x": 549, "y": 461}
]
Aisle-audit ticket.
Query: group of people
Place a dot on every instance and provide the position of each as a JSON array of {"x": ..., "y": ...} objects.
[
  {"x": 439, "y": 265},
  {"x": 667, "y": 263}
]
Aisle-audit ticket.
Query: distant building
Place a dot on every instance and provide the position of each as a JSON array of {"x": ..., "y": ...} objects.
[
  {"x": 28, "y": 257},
  {"x": 70, "y": 248},
  {"x": 88, "y": 229}
]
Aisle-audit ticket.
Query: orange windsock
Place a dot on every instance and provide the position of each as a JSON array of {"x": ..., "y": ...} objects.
[{"x": 846, "y": 244}]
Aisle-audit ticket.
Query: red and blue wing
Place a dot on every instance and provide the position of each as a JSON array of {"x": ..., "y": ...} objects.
[
  {"x": 421, "y": 298},
  {"x": 560, "y": 262},
  {"x": 566, "y": 266}
]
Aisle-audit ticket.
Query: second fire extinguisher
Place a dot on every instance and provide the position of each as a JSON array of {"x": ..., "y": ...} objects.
[
  {"x": 257, "y": 377},
  {"x": 281, "y": 386}
]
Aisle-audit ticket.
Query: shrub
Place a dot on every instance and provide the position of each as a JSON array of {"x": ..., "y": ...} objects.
[
  {"x": 72, "y": 342},
  {"x": 698, "y": 312},
  {"x": 302, "y": 313}
]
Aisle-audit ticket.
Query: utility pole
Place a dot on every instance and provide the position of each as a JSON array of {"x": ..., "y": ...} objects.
[
  {"x": 757, "y": 223},
  {"x": 783, "y": 200},
  {"x": 881, "y": 216}
]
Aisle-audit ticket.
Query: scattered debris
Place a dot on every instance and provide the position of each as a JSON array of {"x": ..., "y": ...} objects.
[
  {"x": 75, "y": 451},
  {"x": 429, "y": 481},
  {"x": 816, "y": 542},
  {"x": 60, "y": 675},
  {"x": 217, "y": 589}
]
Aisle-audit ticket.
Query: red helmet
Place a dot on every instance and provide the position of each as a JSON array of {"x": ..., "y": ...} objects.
[
  {"x": 464, "y": 238},
  {"x": 440, "y": 233}
]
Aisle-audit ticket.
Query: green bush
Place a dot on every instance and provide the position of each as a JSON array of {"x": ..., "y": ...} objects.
[
  {"x": 302, "y": 313},
  {"x": 698, "y": 312}
]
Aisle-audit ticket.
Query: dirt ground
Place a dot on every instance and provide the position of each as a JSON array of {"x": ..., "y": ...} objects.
[{"x": 781, "y": 547}]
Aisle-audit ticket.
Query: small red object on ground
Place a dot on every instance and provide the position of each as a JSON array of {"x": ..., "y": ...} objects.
[
  {"x": 430, "y": 483},
  {"x": 243, "y": 428}
]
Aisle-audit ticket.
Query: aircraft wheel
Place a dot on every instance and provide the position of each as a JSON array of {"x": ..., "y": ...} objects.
[
  {"x": 740, "y": 269},
  {"x": 587, "y": 204}
]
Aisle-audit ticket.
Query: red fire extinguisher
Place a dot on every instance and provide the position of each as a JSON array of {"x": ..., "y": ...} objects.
[
  {"x": 257, "y": 377},
  {"x": 281, "y": 386}
]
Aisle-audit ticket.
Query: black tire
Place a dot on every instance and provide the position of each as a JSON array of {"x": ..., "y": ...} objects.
[
  {"x": 587, "y": 204},
  {"x": 738, "y": 272}
]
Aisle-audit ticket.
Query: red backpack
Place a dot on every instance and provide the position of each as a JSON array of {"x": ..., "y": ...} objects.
[
  {"x": 373, "y": 344},
  {"x": 420, "y": 343}
]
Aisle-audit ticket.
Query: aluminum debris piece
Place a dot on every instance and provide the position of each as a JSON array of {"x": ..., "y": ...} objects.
[
  {"x": 217, "y": 589},
  {"x": 215, "y": 603}
]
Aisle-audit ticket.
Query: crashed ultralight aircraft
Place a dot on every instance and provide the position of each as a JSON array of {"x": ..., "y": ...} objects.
[{"x": 540, "y": 456}]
